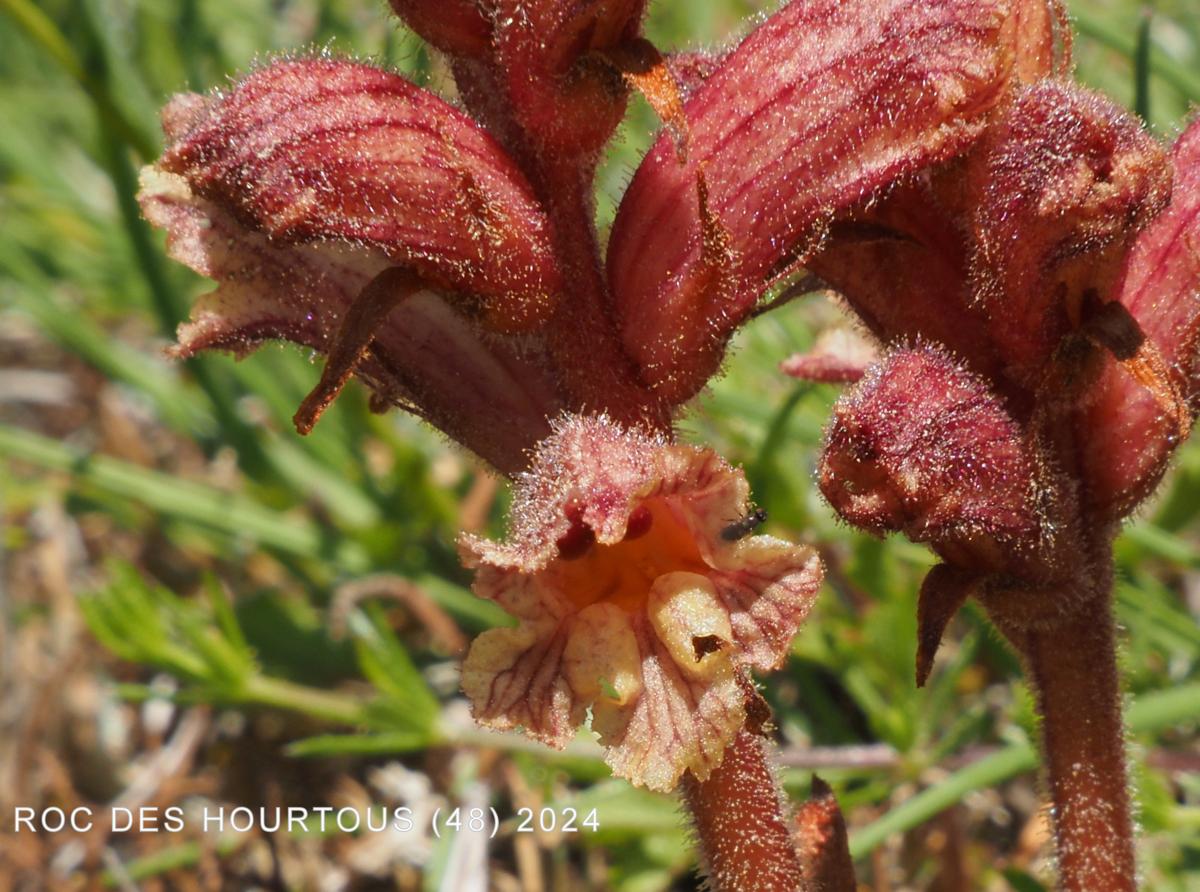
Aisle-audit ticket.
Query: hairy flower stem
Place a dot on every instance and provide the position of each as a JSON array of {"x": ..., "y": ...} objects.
[
  {"x": 1074, "y": 671},
  {"x": 600, "y": 374},
  {"x": 740, "y": 817}
]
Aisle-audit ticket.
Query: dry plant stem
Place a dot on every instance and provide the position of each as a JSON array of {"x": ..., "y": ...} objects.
[
  {"x": 741, "y": 823},
  {"x": 1074, "y": 670}
]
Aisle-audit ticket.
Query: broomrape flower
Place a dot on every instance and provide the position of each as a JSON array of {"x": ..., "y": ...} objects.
[
  {"x": 638, "y": 596},
  {"x": 446, "y": 256},
  {"x": 1039, "y": 300}
]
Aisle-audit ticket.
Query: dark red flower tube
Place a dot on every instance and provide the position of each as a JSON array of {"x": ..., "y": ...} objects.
[
  {"x": 341, "y": 207},
  {"x": 822, "y": 106},
  {"x": 566, "y": 100},
  {"x": 458, "y": 27}
]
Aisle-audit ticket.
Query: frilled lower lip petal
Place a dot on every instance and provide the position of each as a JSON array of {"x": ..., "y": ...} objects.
[
  {"x": 830, "y": 101},
  {"x": 678, "y": 722},
  {"x": 489, "y": 392},
  {"x": 652, "y": 623},
  {"x": 514, "y": 679}
]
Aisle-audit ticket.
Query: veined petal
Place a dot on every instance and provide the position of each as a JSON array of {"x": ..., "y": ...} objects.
[
  {"x": 1005, "y": 252},
  {"x": 515, "y": 679},
  {"x": 1129, "y": 431},
  {"x": 633, "y": 601},
  {"x": 678, "y": 723},
  {"x": 491, "y": 393},
  {"x": 321, "y": 149},
  {"x": 904, "y": 262},
  {"x": 822, "y": 106}
]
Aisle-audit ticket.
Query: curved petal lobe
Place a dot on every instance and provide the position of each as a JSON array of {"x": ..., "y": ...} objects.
[
  {"x": 824, "y": 105},
  {"x": 321, "y": 149}
]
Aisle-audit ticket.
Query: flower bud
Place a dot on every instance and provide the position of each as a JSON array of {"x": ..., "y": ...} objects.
[
  {"x": 567, "y": 101},
  {"x": 1059, "y": 189},
  {"x": 1131, "y": 426},
  {"x": 822, "y": 841},
  {"x": 921, "y": 446}
]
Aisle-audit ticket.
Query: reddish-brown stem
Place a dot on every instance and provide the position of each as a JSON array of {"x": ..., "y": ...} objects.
[
  {"x": 600, "y": 375},
  {"x": 1074, "y": 671},
  {"x": 740, "y": 817}
]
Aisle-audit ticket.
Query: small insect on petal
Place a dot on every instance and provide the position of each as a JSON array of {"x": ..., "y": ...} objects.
[
  {"x": 740, "y": 529},
  {"x": 631, "y": 602}
]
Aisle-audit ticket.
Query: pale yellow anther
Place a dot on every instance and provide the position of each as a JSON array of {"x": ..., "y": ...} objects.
[{"x": 684, "y": 607}]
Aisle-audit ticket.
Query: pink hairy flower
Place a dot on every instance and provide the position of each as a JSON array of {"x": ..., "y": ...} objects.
[
  {"x": 1021, "y": 253},
  {"x": 635, "y": 600}
]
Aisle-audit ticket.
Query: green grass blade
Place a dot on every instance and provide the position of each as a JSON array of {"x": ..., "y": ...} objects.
[
  {"x": 987, "y": 772},
  {"x": 1167, "y": 69},
  {"x": 1151, "y": 712},
  {"x": 187, "y": 500},
  {"x": 1141, "y": 67},
  {"x": 388, "y": 743},
  {"x": 42, "y": 31}
]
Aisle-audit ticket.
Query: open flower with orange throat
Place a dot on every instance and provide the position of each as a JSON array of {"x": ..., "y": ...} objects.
[{"x": 640, "y": 594}]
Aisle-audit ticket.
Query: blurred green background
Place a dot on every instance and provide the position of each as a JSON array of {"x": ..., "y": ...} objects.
[{"x": 201, "y": 607}]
